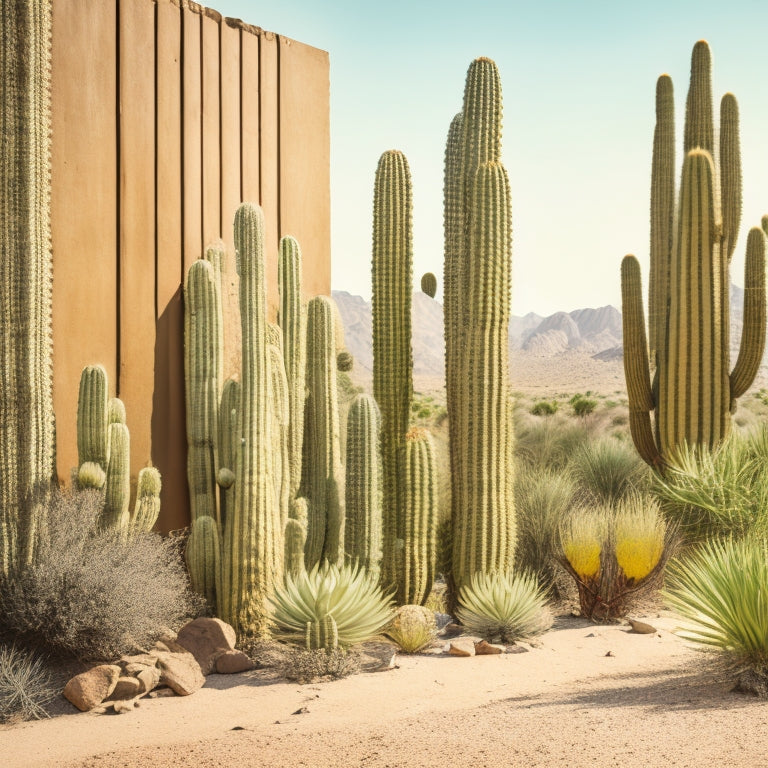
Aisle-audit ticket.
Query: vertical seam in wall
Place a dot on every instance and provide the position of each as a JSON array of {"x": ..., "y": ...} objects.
[
  {"x": 203, "y": 180},
  {"x": 279, "y": 164},
  {"x": 241, "y": 111},
  {"x": 182, "y": 145},
  {"x": 261, "y": 113},
  {"x": 221, "y": 131},
  {"x": 156, "y": 170},
  {"x": 118, "y": 199}
]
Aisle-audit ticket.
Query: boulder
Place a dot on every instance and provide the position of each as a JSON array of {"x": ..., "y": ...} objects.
[
  {"x": 205, "y": 639},
  {"x": 180, "y": 672},
  {"x": 484, "y": 648},
  {"x": 149, "y": 679},
  {"x": 88, "y": 689},
  {"x": 232, "y": 662},
  {"x": 462, "y": 648},
  {"x": 641, "y": 628},
  {"x": 126, "y": 688}
]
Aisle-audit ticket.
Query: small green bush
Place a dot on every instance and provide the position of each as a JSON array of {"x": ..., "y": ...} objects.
[
  {"x": 720, "y": 592},
  {"x": 503, "y": 606},
  {"x": 92, "y": 593},
  {"x": 607, "y": 469},
  {"x": 25, "y": 685},
  {"x": 583, "y": 406},
  {"x": 545, "y": 407}
]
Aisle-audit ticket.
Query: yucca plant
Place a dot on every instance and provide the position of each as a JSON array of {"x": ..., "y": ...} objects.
[
  {"x": 615, "y": 553},
  {"x": 330, "y": 607},
  {"x": 503, "y": 606},
  {"x": 413, "y": 628},
  {"x": 720, "y": 592}
]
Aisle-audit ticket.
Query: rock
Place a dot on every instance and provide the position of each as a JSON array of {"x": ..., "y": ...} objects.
[
  {"x": 484, "y": 648},
  {"x": 232, "y": 662},
  {"x": 641, "y": 628},
  {"x": 141, "y": 659},
  {"x": 160, "y": 693},
  {"x": 517, "y": 649},
  {"x": 149, "y": 679},
  {"x": 88, "y": 689},
  {"x": 126, "y": 688},
  {"x": 610, "y": 653},
  {"x": 451, "y": 630},
  {"x": 462, "y": 648},
  {"x": 180, "y": 672},
  {"x": 205, "y": 638},
  {"x": 125, "y": 705},
  {"x": 135, "y": 669}
]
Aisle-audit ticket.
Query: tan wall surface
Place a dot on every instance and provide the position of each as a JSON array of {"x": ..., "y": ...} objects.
[{"x": 165, "y": 116}]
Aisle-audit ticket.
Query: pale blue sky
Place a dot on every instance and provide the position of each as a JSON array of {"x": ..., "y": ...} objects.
[{"x": 579, "y": 81}]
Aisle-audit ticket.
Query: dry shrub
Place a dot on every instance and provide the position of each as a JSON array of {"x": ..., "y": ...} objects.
[
  {"x": 307, "y": 666},
  {"x": 93, "y": 593},
  {"x": 25, "y": 685}
]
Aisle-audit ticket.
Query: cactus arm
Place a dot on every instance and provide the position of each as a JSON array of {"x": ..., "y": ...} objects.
[
  {"x": 730, "y": 172},
  {"x": 147, "y": 507},
  {"x": 699, "y": 125},
  {"x": 93, "y": 417},
  {"x": 753, "y": 330},
  {"x": 662, "y": 213},
  {"x": 228, "y": 440},
  {"x": 118, "y": 484},
  {"x": 204, "y": 558}
]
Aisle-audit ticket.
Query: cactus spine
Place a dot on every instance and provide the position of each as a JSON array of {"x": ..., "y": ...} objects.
[
  {"x": 693, "y": 394},
  {"x": 392, "y": 357},
  {"x": 362, "y": 531},
  {"x": 323, "y": 480},
  {"x": 477, "y": 306},
  {"x": 27, "y": 461}
]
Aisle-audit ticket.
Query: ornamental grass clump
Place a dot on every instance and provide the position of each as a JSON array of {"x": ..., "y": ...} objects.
[
  {"x": 720, "y": 592},
  {"x": 613, "y": 554},
  {"x": 503, "y": 606},
  {"x": 25, "y": 685},
  {"x": 330, "y": 607}
]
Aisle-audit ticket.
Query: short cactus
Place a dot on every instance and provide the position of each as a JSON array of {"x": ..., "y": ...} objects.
[{"x": 429, "y": 284}]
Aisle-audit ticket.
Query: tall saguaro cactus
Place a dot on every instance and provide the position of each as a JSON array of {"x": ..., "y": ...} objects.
[
  {"x": 693, "y": 392},
  {"x": 26, "y": 404},
  {"x": 392, "y": 269},
  {"x": 477, "y": 306}
]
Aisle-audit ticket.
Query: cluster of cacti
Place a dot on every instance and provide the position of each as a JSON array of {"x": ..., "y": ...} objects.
[
  {"x": 477, "y": 307},
  {"x": 26, "y": 403},
  {"x": 104, "y": 454},
  {"x": 693, "y": 393},
  {"x": 409, "y": 517}
]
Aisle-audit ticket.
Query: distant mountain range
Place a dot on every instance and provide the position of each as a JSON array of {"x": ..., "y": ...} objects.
[{"x": 595, "y": 333}]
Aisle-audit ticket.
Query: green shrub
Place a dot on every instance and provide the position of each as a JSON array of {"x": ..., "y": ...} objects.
[
  {"x": 25, "y": 685},
  {"x": 92, "y": 593},
  {"x": 720, "y": 592},
  {"x": 549, "y": 442},
  {"x": 413, "y": 628},
  {"x": 503, "y": 606},
  {"x": 545, "y": 407},
  {"x": 615, "y": 553},
  {"x": 583, "y": 406},
  {"x": 607, "y": 469},
  {"x": 330, "y": 607},
  {"x": 543, "y": 499},
  {"x": 716, "y": 494}
]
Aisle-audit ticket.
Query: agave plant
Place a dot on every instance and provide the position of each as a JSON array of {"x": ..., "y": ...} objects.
[
  {"x": 503, "y": 606},
  {"x": 613, "y": 554},
  {"x": 330, "y": 607},
  {"x": 720, "y": 592}
]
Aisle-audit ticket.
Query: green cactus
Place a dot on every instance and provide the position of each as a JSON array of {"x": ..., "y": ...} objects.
[
  {"x": 93, "y": 417},
  {"x": 362, "y": 531},
  {"x": 322, "y": 480},
  {"x": 392, "y": 357},
  {"x": 118, "y": 485},
  {"x": 27, "y": 444},
  {"x": 293, "y": 321},
  {"x": 203, "y": 556},
  {"x": 418, "y": 553},
  {"x": 252, "y": 546},
  {"x": 147, "y": 508},
  {"x": 279, "y": 456},
  {"x": 693, "y": 393},
  {"x": 322, "y": 634},
  {"x": 228, "y": 443},
  {"x": 429, "y": 284},
  {"x": 296, "y": 538},
  {"x": 477, "y": 306}
]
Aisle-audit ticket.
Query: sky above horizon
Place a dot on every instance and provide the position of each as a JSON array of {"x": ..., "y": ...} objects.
[{"x": 578, "y": 83}]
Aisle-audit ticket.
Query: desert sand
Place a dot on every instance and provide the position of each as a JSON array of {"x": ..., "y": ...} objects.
[{"x": 584, "y": 695}]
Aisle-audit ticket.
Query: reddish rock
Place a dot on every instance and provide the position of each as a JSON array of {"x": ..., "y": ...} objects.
[
  {"x": 462, "y": 648},
  {"x": 484, "y": 648},
  {"x": 88, "y": 689}
]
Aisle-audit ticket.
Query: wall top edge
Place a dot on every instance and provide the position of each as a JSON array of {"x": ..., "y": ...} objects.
[{"x": 252, "y": 29}]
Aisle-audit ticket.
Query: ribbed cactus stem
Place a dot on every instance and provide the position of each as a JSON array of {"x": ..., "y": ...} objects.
[
  {"x": 322, "y": 634},
  {"x": 27, "y": 463},
  {"x": 730, "y": 172},
  {"x": 753, "y": 329},
  {"x": 229, "y": 439},
  {"x": 429, "y": 284},
  {"x": 391, "y": 316},
  {"x": 419, "y": 549},
  {"x": 204, "y": 558},
  {"x": 362, "y": 531},
  {"x": 699, "y": 124},
  {"x": 295, "y": 539},
  {"x": 279, "y": 456},
  {"x": 292, "y": 319},
  {"x": 118, "y": 484},
  {"x": 323, "y": 480},
  {"x": 662, "y": 213},
  {"x": 147, "y": 507},
  {"x": 93, "y": 417},
  {"x": 253, "y": 538}
]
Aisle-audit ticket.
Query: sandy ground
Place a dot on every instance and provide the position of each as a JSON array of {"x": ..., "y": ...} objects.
[{"x": 586, "y": 696}]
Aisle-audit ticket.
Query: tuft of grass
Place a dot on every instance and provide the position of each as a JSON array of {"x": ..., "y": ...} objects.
[
  {"x": 503, "y": 606},
  {"x": 720, "y": 592},
  {"x": 308, "y": 666},
  {"x": 413, "y": 628},
  {"x": 25, "y": 685},
  {"x": 582, "y": 538},
  {"x": 607, "y": 469},
  {"x": 545, "y": 408},
  {"x": 90, "y": 592}
]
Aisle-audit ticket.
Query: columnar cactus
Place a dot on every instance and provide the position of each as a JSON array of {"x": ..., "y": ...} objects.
[
  {"x": 477, "y": 307},
  {"x": 292, "y": 319},
  {"x": 362, "y": 531},
  {"x": 429, "y": 284},
  {"x": 392, "y": 357},
  {"x": 323, "y": 479},
  {"x": 418, "y": 553},
  {"x": 253, "y": 535},
  {"x": 279, "y": 456},
  {"x": 26, "y": 405},
  {"x": 693, "y": 393}
]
